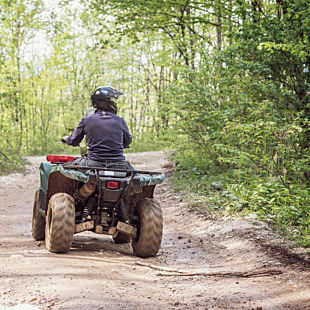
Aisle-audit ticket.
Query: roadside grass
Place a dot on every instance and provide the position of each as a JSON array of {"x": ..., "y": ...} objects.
[
  {"x": 253, "y": 197},
  {"x": 12, "y": 163}
]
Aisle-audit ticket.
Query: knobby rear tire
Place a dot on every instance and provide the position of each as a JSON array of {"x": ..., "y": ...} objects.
[
  {"x": 150, "y": 228},
  {"x": 60, "y": 223},
  {"x": 38, "y": 221}
]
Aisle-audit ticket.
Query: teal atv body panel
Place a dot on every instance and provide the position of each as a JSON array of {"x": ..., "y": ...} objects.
[
  {"x": 150, "y": 179},
  {"x": 45, "y": 170}
]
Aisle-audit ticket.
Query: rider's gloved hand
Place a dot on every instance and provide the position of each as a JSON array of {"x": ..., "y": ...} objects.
[{"x": 64, "y": 139}]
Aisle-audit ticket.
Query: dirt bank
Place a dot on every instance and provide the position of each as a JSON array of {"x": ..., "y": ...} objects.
[{"x": 204, "y": 262}]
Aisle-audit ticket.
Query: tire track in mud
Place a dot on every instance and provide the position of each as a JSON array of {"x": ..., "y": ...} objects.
[{"x": 99, "y": 274}]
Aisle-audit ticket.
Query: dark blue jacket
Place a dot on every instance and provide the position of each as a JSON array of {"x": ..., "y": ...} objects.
[{"x": 106, "y": 135}]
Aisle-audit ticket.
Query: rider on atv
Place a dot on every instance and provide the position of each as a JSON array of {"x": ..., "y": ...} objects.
[
  {"x": 101, "y": 193},
  {"x": 106, "y": 133}
]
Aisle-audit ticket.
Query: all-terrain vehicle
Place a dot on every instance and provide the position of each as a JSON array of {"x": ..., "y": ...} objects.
[{"x": 111, "y": 200}]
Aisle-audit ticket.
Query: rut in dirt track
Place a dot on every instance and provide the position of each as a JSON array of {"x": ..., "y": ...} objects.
[{"x": 204, "y": 262}]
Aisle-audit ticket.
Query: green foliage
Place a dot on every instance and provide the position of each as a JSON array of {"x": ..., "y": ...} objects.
[
  {"x": 149, "y": 141},
  {"x": 244, "y": 115}
]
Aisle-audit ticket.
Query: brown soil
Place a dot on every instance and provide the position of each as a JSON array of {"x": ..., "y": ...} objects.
[{"x": 205, "y": 262}]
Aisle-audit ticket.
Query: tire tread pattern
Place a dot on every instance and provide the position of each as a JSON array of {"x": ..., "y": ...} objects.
[
  {"x": 38, "y": 221},
  {"x": 60, "y": 223},
  {"x": 150, "y": 233}
]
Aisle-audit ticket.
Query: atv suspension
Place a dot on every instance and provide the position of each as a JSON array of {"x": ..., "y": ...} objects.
[{"x": 124, "y": 211}]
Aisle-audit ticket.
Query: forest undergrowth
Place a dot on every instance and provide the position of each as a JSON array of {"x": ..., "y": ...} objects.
[{"x": 240, "y": 193}]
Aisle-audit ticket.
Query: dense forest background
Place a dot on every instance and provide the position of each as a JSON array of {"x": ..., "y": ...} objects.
[{"x": 224, "y": 83}]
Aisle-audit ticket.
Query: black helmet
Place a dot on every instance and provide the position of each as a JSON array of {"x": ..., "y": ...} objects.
[
  {"x": 105, "y": 98},
  {"x": 107, "y": 93}
]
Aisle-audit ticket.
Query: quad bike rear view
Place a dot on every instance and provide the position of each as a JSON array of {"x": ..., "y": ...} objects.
[{"x": 111, "y": 200}]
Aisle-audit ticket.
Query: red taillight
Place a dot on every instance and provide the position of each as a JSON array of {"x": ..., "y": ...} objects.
[
  {"x": 60, "y": 158},
  {"x": 112, "y": 185}
]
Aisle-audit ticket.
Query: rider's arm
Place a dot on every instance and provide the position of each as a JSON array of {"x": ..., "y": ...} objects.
[
  {"x": 127, "y": 138},
  {"x": 78, "y": 134}
]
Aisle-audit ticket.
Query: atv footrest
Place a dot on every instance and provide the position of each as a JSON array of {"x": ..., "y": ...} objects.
[
  {"x": 84, "y": 226},
  {"x": 127, "y": 229}
]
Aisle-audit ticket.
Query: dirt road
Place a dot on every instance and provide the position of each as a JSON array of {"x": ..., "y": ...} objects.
[{"x": 204, "y": 262}]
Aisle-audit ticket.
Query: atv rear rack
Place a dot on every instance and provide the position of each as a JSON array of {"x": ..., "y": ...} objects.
[{"x": 109, "y": 169}]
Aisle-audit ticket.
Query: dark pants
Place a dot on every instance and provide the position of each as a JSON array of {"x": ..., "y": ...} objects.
[{"x": 108, "y": 163}]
